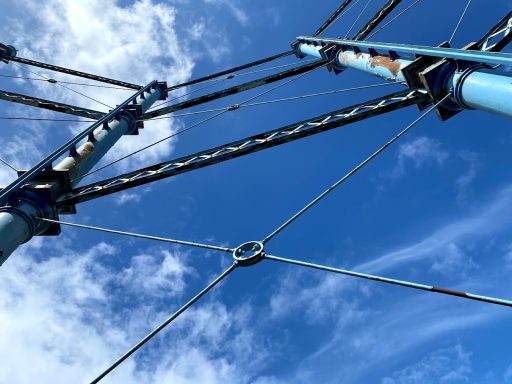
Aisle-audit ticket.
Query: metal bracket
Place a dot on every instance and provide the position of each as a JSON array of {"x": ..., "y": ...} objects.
[
  {"x": 58, "y": 182},
  {"x": 329, "y": 53},
  {"x": 162, "y": 85},
  {"x": 7, "y": 52},
  {"x": 433, "y": 78},
  {"x": 249, "y": 253},
  {"x": 135, "y": 112}
]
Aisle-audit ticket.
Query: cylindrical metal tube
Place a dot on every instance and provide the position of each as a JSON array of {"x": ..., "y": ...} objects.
[
  {"x": 485, "y": 89},
  {"x": 377, "y": 65},
  {"x": 18, "y": 223},
  {"x": 89, "y": 153}
]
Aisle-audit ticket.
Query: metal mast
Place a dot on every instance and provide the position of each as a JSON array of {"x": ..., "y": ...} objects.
[{"x": 441, "y": 79}]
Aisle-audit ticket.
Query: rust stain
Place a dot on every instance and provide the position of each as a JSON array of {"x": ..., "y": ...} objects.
[
  {"x": 385, "y": 62},
  {"x": 88, "y": 147}
]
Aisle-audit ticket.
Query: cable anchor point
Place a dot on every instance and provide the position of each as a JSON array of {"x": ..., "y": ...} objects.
[{"x": 249, "y": 253}]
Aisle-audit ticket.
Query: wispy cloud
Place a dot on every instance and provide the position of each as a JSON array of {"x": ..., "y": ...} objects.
[
  {"x": 234, "y": 8},
  {"x": 73, "y": 311},
  {"x": 447, "y": 365},
  {"x": 365, "y": 323},
  {"x": 420, "y": 152},
  {"x": 137, "y": 43}
]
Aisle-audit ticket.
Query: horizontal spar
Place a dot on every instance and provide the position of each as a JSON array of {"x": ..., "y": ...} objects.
[
  {"x": 496, "y": 58},
  {"x": 246, "y": 146}
]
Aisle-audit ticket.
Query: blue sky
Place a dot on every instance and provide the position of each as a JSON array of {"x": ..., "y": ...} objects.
[{"x": 434, "y": 209}]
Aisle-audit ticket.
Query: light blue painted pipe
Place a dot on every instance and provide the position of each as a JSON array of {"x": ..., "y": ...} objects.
[
  {"x": 18, "y": 223},
  {"x": 18, "y": 220},
  {"x": 495, "y": 58},
  {"x": 479, "y": 87},
  {"x": 379, "y": 65},
  {"x": 485, "y": 89},
  {"x": 91, "y": 152}
]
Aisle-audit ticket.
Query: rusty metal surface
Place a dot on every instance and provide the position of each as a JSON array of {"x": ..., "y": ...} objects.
[
  {"x": 385, "y": 62},
  {"x": 51, "y": 105},
  {"x": 246, "y": 146}
]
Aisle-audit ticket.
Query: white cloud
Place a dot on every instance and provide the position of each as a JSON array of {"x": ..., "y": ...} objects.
[
  {"x": 127, "y": 197},
  {"x": 490, "y": 218},
  {"x": 232, "y": 5},
  {"x": 377, "y": 329},
  {"x": 71, "y": 313},
  {"x": 421, "y": 152},
  {"x": 136, "y": 42},
  {"x": 161, "y": 276},
  {"x": 447, "y": 365},
  {"x": 508, "y": 374},
  {"x": 464, "y": 181}
]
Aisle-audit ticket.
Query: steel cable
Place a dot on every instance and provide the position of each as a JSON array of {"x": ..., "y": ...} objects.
[
  {"x": 8, "y": 165},
  {"x": 165, "y": 323},
  {"x": 352, "y": 172},
  {"x": 393, "y": 19},
  {"x": 403, "y": 283},
  {"x": 65, "y": 87},
  {"x": 140, "y": 236},
  {"x": 46, "y": 119},
  {"x": 460, "y": 21},
  {"x": 275, "y": 101},
  {"x": 54, "y": 81},
  {"x": 196, "y": 124},
  {"x": 343, "y": 14},
  {"x": 357, "y": 19}
]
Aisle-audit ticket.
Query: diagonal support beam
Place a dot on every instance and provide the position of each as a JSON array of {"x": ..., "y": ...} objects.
[
  {"x": 498, "y": 37},
  {"x": 246, "y": 146},
  {"x": 232, "y": 70},
  {"x": 377, "y": 19},
  {"x": 332, "y": 18},
  {"x": 234, "y": 90},
  {"x": 47, "y": 162},
  {"x": 50, "y": 105},
  {"x": 73, "y": 72}
]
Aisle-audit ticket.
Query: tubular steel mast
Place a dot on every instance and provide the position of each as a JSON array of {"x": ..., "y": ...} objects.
[{"x": 441, "y": 79}]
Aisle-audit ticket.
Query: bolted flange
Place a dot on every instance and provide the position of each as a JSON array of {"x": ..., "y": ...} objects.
[{"x": 249, "y": 253}]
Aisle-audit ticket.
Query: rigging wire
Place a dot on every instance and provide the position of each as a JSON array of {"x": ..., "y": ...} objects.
[
  {"x": 352, "y": 172},
  {"x": 46, "y": 119},
  {"x": 460, "y": 21},
  {"x": 402, "y": 283},
  {"x": 63, "y": 86},
  {"x": 393, "y": 19},
  {"x": 215, "y": 81},
  {"x": 166, "y": 323},
  {"x": 198, "y": 123},
  {"x": 231, "y": 70},
  {"x": 54, "y": 81},
  {"x": 141, "y": 236},
  {"x": 274, "y": 101},
  {"x": 7, "y": 164},
  {"x": 343, "y": 14},
  {"x": 357, "y": 19}
]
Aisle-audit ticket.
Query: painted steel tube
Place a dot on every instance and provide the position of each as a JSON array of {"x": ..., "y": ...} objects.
[
  {"x": 379, "y": 65},
  {"x": 18, "y": 223},
  {"x": 91, "y": 152},
  {"x": 484, "y": 89},
  {"x": 494, "y": 58}
]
